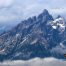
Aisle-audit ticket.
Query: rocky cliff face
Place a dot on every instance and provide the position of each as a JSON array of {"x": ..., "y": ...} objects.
[{"x": 40, "y": 36}]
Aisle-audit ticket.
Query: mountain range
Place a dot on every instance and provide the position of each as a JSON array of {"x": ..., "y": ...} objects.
[{"x": 38, "y": 36}]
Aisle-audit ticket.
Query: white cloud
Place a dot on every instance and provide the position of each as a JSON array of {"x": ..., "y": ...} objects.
[
  {"x": 26, "y": 8},
  {"x": 6, "y": 18},
  {"x": 5, "y": 3},
  {"x": 35, "y": 62}
]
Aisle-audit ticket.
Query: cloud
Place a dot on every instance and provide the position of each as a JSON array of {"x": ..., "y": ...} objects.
[
  {"x": 6, "y": 18},
  {"x": 5, "y": 3},
  {"x": 35, "y": 62},
  {"x": 25, "y": 8}
]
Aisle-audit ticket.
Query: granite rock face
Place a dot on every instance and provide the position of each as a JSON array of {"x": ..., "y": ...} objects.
[{"x": 40, "y": 36}]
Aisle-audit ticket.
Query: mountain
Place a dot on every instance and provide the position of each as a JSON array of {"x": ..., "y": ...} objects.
[{"x": 40, "y": 36}]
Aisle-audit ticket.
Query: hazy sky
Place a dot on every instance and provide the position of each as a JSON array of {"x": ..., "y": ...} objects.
[{"x": 12, "y": 10}]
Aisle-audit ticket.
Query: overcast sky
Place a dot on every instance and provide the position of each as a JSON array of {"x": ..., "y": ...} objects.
[{"x": 12, "y": 10}]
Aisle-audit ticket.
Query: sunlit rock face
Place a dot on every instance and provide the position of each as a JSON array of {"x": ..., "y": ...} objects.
[{"x": 35, "y": 37}]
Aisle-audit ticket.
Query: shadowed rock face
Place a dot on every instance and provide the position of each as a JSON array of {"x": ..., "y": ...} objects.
[{"x": 33, "y": 37}]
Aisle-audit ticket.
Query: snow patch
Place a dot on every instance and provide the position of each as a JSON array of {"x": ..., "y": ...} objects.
[
  {"x": 17, "y": 35},
  {"x": 34, "y": 41},
  {"x": 61, "y": 44},
  {"x": 54, "y": 27},
  {"x": 58, "y": 24}
]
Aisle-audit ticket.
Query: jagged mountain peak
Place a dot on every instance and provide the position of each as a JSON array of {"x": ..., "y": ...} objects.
[
  {"x": 45, "y": 11},
  {"x": 32, "y": 38},
  {"x": 45, "y": 16},
  {"x": 59, "y": 16}
]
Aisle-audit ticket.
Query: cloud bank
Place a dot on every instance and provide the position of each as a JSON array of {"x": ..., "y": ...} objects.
[{"x": 35, "y": 62}]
